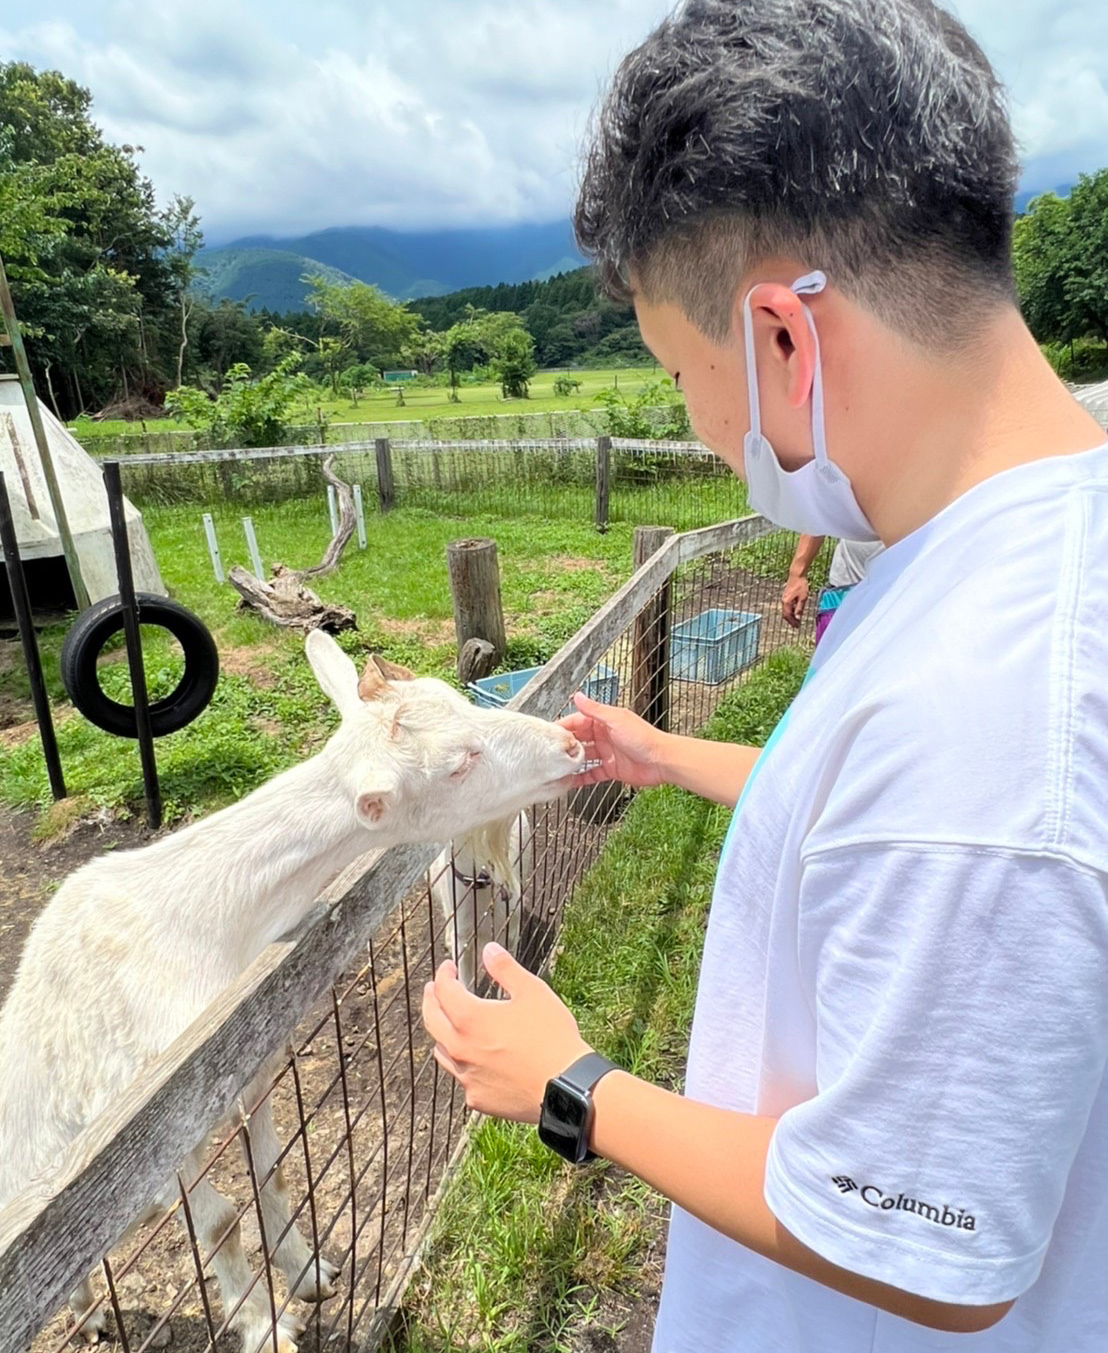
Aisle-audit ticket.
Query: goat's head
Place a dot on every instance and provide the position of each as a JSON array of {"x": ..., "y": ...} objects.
[{"x": 422, "y": 763}]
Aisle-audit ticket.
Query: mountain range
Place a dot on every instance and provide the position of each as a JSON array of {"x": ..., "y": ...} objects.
[{"x": 265, "y": 272}]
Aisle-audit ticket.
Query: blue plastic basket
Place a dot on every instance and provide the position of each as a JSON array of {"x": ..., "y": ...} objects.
[
  {"x": 494, "y": 691},
  {"x": 714, "y": 646}
]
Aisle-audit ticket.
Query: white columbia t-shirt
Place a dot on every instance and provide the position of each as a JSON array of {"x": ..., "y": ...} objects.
[{"x": 907, "y": 956}]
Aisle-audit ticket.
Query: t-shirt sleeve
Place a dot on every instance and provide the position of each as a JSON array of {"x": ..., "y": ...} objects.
[{"x": 961, "y": 1011}]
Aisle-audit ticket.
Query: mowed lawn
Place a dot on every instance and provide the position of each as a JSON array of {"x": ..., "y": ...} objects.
[{"x": 478, "y": 400}]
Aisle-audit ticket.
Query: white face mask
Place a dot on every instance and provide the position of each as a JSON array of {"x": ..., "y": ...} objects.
[{"x": 816, "y": 499}]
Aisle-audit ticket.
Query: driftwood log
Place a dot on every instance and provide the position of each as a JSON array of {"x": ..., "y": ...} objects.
[{"x": 285, "y": 600}]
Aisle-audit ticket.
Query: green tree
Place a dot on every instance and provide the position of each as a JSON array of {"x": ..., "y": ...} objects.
[
  {"x": 656, "y": 413},
  {"x": 183, "y": 227},
  {"x": 246, "y": 412},
  {"x": 90, "y": 253},
  {"x": 1086, "y": 282},
  {"x": 373, "y": 328},
  {"x": 514, "y": 363}
]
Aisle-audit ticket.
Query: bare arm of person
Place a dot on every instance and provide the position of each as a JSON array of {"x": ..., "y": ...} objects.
[{"x": 794, "y": 598}]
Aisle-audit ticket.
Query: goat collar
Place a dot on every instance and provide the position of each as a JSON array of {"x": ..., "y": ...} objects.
[{"x": 482, "y": 879}]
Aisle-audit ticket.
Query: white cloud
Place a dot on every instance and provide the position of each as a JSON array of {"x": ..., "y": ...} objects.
[{"x": 278, "y": 117}]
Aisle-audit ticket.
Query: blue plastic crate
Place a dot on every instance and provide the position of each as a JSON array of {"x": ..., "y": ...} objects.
[
  {"x": 714, "y": 646},
  {"x": 494, "y": 691}
]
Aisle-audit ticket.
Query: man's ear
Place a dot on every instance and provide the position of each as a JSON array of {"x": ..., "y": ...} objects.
[
  {"x": 784, "y": 342},
  {"x": 336, "y": 674}
]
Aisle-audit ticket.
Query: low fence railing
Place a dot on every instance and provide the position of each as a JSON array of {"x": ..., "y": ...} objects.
[
  {"x": 599, "y": 480},
  {"x": 367, "y": 1127}
]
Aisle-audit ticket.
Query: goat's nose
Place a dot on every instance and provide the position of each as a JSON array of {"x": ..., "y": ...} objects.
[{"x": 570, "y": 744}]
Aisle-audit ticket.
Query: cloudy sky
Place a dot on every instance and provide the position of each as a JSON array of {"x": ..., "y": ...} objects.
[{"x": 281, "y": 116}]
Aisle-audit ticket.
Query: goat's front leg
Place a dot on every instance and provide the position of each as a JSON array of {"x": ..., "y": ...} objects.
[
  {"x": 219, "y": 1235},
  {"x": 82, "y": 1299},
  {"x": 310, "y": 1277}
]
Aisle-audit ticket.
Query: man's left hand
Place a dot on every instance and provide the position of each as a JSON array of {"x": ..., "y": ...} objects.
[{"x": 502, "y": 1053}]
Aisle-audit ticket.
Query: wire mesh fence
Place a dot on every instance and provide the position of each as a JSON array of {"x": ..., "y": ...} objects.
[
  {"x": 283, "y": 492},
  {"x": 302, "y": 1220}
]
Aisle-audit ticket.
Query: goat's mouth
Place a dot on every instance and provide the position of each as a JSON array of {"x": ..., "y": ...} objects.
[{"x": 575, "y": 762}]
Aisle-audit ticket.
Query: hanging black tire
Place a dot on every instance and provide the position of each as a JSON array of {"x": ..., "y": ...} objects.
[{"x": 81, "y": 676}]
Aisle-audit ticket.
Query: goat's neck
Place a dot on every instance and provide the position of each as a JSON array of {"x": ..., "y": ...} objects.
[{"x": 252, "y": 871}]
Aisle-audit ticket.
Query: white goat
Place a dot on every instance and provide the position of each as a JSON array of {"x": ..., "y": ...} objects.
[
  {"x": 134, "y": 946},
  {"x": 477, "y": 884}
]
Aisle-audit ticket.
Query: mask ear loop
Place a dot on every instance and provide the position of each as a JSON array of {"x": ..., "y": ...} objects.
[
  {"x": 751, "y": 369},
  {"x": 809, "y": 285}
]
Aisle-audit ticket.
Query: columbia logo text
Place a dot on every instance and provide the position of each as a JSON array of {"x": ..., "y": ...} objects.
[{"x": 939, "y": 1214}]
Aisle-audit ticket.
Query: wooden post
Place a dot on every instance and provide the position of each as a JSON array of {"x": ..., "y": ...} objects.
[
  {"x": 385, "y": 493},
  {"x": 475, "y": 586},
  {"x": 650, "y": 655},
  {"x": 603, "y": 481}
]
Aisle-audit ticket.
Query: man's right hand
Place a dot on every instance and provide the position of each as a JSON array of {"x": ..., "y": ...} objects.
[
  {"x": 793, "y": 601},
  {"x": 623, "y": 746}
]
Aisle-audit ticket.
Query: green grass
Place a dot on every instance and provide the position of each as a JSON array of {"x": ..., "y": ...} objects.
[
  {"x": 525, "y": 1249},
  {"x": 268, "y": 710},
  {"x": 479, "y": 400}
]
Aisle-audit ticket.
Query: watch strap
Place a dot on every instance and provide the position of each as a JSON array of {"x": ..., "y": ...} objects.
[{"x": 583, "y": 1074}]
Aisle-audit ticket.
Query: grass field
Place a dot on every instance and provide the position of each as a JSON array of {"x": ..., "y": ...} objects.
[{"x": 476, "y": 401}]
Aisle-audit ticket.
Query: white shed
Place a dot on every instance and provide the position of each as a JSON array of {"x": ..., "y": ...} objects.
[{"x": 86, "y": 506}]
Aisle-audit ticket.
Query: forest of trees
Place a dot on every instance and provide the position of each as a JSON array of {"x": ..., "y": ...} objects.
[{"x": 115, "y": 316}]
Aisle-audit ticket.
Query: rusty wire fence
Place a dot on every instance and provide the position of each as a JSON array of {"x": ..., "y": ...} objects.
[{"x": 323, "y": 1174}]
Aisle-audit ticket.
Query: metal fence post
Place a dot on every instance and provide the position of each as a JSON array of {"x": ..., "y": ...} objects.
[
  {"x": 252, "y": 545},
  {"x": 359, "y": 512},
  {"x": 213, "y": 547},
  {"x": 131, "y": 622}
]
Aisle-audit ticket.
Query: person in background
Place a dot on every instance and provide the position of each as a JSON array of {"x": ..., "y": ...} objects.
[{"x": 848, "y": 567}]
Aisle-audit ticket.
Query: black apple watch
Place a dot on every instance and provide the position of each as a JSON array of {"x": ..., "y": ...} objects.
[{"x": 567, "y": 1108}]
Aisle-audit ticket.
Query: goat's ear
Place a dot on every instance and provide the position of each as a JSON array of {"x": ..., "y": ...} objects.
[
  {"x": 371, "y": 684},
  {"x": 376, "y": 675},
  {"x": 392, "y": 671},
  {"x": 336, "y": 674},
  {"x": 371, "y": 806}
]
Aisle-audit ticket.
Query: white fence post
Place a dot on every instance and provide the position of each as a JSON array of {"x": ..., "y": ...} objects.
[
  {"x": 333, "y": 507},
  {"x": 252, "y": 545},
  {"x": 360, "y": 514},
  {"x": 213, "y": 547}
]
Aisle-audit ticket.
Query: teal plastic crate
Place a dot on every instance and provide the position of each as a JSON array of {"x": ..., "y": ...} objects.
[
  {"x": 714, "y": 646},
  {"x": 494, "y": 691}
]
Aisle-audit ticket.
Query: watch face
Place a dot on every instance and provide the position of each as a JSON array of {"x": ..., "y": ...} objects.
[{"x": 563, "y": 1121}]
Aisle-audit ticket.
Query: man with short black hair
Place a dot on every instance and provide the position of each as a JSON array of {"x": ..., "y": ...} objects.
[{"x": 894, "y": 1131}]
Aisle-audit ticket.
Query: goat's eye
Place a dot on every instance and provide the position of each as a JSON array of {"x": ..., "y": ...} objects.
[{"x": 467, "y": 761}]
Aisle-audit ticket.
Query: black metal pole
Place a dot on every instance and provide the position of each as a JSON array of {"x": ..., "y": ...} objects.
[
  {"x": 22, "y": 605},
  {"x": 139, "y": 696}
]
